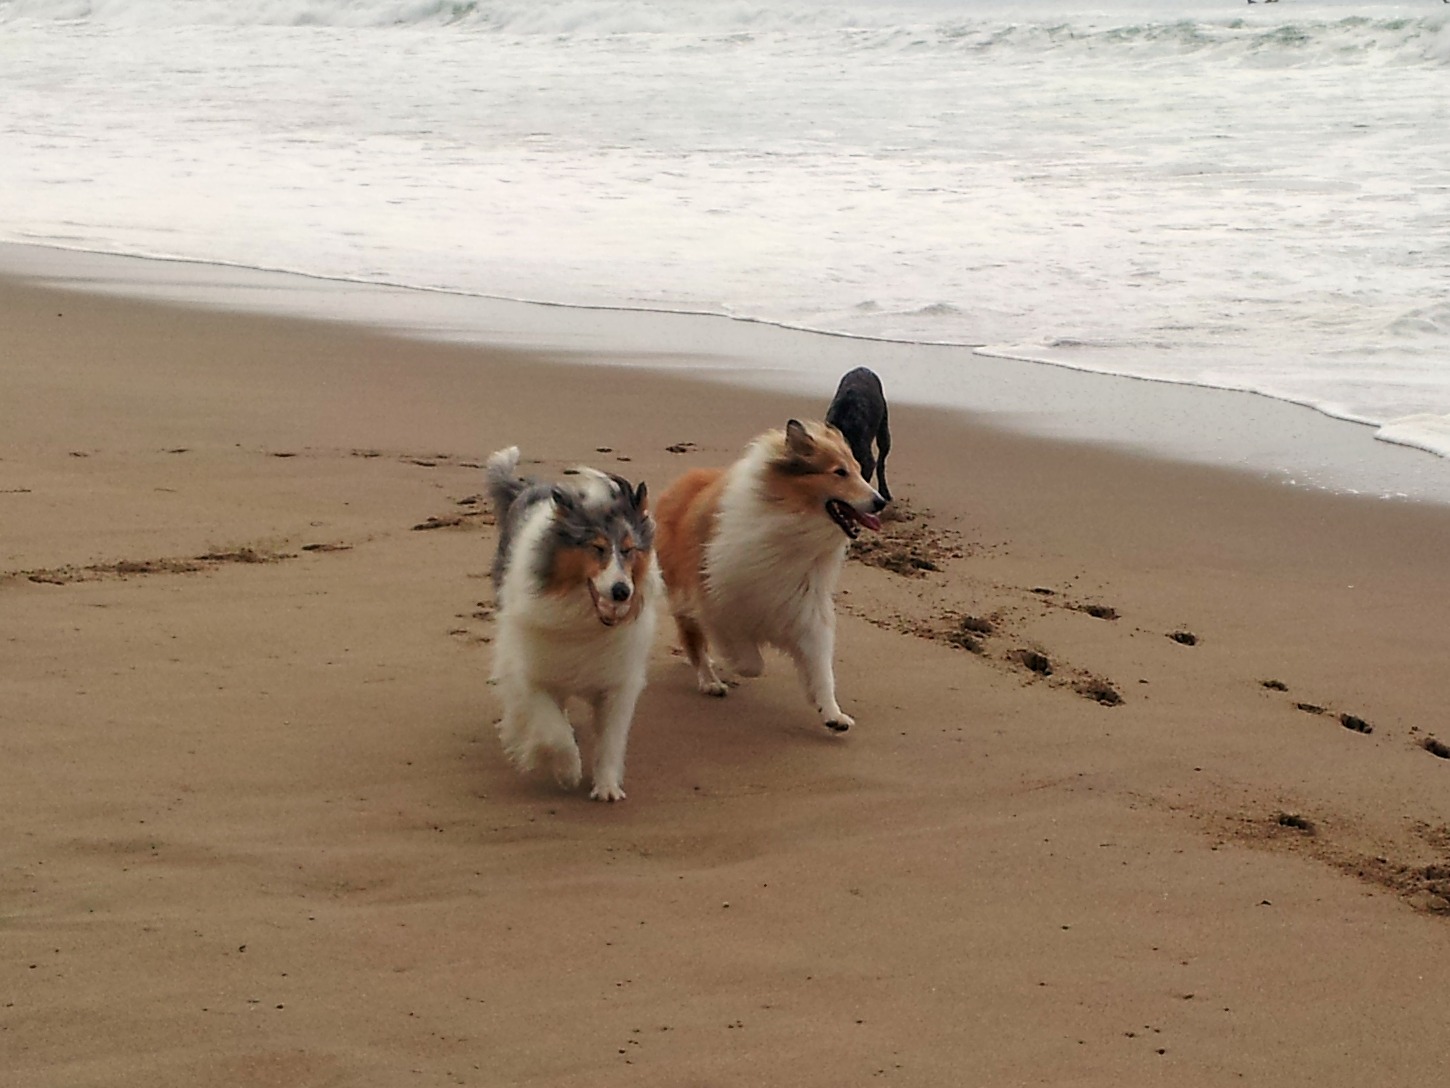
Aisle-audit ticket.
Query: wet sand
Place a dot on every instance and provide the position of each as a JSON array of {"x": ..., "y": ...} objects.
[{"x": 257, "y": 828}]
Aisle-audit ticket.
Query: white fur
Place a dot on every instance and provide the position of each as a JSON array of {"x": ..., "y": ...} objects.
[
  {"x": 549, "y": 649},
  {"x": 594, "y": 486},
  {"x": 770, "y": 577}
]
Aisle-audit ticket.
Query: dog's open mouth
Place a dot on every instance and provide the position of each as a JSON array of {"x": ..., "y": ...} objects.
[
  {"x": 848, "y": 518},
  {"x": 602, "y": 608}
]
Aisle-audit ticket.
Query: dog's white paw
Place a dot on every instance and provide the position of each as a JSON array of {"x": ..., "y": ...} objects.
[
  {"x": 568, "y": 771},
  {"x": 839, "y": 722},
  {"x": 524, "y": 759},
  {"x": 717, "y": 688},
  {"x": 607, "y": 791}
]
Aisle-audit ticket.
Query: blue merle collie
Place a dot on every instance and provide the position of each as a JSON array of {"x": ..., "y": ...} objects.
[{"x": 576, "y": 582}]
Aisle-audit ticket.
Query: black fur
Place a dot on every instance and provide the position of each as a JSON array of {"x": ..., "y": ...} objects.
[{"x": 858, "y": 411}]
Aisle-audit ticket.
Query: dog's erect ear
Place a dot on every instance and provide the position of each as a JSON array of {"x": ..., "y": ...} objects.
[
  {"x": 634, "y": 496},
  {"x": 798, "y": 440},
  {"x": 623, "y": 486},
  {"x": 641, "y": 498}
]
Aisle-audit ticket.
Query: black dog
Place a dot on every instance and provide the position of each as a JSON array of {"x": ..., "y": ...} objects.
[{"x": 858, "y": 411}]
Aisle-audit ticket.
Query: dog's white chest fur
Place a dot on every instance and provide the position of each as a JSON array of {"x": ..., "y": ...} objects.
[
  {"x": 769, "y": 573},
  {"x": 561, "y": 647}
]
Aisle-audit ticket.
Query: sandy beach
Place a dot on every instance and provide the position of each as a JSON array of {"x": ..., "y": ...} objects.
[{"x": 1150, "y": 781}]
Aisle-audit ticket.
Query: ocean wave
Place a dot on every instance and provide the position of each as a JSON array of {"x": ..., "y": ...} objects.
[
  {"x": 1423, "y": 431},
  {"x": 1343, "y": 33},
  {"x": 556, "y": 17},
  {"x": 938, "y": 309},
  {"x": 1431, "y": 321}
]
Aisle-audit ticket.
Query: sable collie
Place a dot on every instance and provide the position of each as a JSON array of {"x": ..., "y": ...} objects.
[
  {"x": 750, "y": 555},
  {"x": 577, "y": 584}
]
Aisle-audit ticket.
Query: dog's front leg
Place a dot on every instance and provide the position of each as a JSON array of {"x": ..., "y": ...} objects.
[
  {"x": 546, "y": 738},
  {"x": 613, "y": 715},
  {"x": 813, "y": 655},
  {"x": 883, "y": 447}
]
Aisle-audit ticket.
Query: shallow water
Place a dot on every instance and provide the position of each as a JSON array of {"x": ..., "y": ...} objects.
[
  {"x": 1271, "y": 439},
  {"x": 1245, "y": 197}
]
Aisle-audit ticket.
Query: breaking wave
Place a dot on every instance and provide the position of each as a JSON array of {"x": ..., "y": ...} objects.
[{"x": 1330, "y": 33}]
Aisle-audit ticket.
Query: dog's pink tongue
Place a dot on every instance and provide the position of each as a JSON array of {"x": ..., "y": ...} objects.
[{"x": 871, "y": 521}]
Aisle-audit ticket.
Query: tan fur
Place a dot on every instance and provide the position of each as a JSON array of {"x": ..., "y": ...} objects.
[
  {"x": 802, "y": 480},
  {"x": 682, "y": 527},
  {"x": 573, "y": 567},
  {"x": 639, "y": 572}
]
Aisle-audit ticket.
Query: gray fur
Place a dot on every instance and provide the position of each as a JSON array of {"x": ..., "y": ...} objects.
[
  {"x": 505, "y": 488},
  {"x": 579, "y": 518},
  {"x": 526, "y": 498}
]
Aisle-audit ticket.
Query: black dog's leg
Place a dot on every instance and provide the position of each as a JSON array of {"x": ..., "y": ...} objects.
[{"x": 883, "y": 447}]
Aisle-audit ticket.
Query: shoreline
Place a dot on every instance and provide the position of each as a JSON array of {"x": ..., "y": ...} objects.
[
  {"x": 259, "y": 829},
  {"x": 1296, "y": 444}
]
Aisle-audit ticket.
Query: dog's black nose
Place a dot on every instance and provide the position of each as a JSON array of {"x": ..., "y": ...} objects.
[
  {"x": 878, "y": 505},
  {"x": 620, "y": 591}
]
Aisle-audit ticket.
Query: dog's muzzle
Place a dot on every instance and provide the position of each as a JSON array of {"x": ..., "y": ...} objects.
[{"x": 613, "y": 607}]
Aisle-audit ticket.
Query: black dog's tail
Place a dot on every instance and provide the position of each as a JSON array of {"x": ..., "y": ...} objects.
[{"x": 504, "y": 484}]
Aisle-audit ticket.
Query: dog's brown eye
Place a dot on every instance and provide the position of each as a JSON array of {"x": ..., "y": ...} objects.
[{"x": 842, "y": 472}]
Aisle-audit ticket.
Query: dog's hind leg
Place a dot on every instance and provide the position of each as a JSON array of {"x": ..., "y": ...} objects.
[
  {"x": 697, "y": 649},
  {"x": 613, "y": 715},
  {"x": 813, "y": 659},
  {"x": 743, "y": 656}
]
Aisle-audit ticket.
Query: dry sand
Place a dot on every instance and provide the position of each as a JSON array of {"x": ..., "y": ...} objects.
[{"x": 255, "y": 827}]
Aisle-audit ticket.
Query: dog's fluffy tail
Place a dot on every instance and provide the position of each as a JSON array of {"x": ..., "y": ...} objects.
[{"x": 504, "y": 484}]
